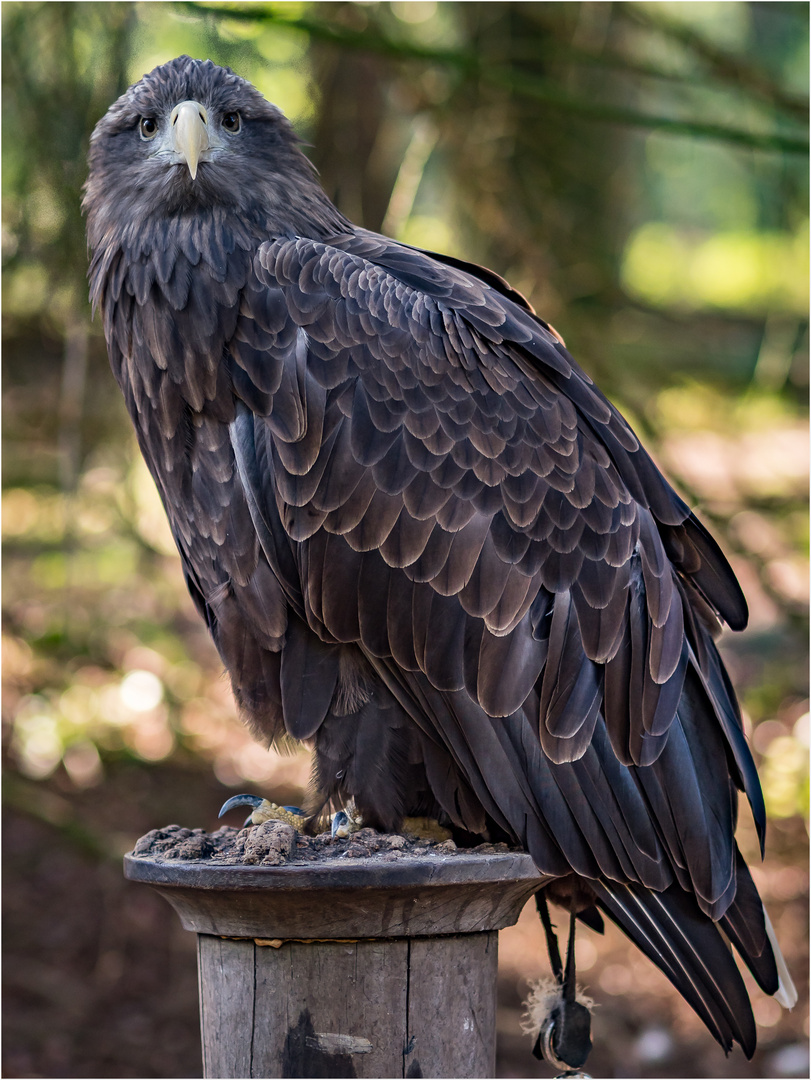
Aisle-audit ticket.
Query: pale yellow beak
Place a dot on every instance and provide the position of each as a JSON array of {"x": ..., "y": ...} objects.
[{"x": 189, "y": 123}]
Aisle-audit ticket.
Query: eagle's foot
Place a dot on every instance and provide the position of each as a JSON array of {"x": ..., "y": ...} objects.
[
  {"x": 349, "y": 820},
  {"x": 264, "y": 810},
  {"x": 346, "y": 821}
]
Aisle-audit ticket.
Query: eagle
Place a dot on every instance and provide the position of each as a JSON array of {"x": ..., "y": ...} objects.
[{"x": 422, "y": 540}]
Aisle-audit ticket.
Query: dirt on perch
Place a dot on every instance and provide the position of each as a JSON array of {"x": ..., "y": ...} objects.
[{"x": 275, "y": 843}]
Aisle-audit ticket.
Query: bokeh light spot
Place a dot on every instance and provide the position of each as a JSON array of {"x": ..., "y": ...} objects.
[{"x": 141, "y": 691}]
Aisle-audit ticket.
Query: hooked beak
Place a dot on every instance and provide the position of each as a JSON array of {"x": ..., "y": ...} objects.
[{"x": 190, "y": 138}]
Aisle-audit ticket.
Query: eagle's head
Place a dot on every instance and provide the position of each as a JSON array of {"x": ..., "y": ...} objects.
[{"x": 190, "y": 137}]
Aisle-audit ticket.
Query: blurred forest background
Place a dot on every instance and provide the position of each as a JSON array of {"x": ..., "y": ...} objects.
[{"x": 639, "y": 171}]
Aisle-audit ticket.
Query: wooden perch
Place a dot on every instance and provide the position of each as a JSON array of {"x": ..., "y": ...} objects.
[{"x": 364, "y": 968}]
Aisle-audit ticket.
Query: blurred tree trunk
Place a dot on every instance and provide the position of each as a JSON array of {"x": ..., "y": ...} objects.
[
  {"x": 357, "y": 137},
  {"x": 537, "y": 186}
]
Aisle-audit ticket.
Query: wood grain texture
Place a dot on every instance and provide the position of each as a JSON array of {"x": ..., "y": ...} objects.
[
  {"x": 452, "y": 1006},
  {"x": 226, "y": 984},
  {"x": 396, "y": 1007},
  {"x": 331, "y": 1009}
]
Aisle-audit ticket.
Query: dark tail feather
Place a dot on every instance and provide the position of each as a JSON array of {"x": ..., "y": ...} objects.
[
  {"x": 745, "y": 925},
  {"x": 674, "y": 933}
]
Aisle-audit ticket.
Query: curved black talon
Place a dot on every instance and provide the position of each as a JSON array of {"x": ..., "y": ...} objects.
[
  {"x": 264, "y": 810},
  {"x": 240, "y": 800}
]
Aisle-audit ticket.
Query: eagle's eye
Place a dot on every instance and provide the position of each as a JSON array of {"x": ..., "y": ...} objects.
[
  {"x": 232, "y": 122},
  {"x": 148, "y": 127}
]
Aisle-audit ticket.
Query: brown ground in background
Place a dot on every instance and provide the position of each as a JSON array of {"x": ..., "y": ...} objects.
[{"x": 100, "y": 979}]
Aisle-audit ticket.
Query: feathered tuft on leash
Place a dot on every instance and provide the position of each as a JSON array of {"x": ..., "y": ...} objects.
[
  {"x": 544, "y": 1011},
  {"x": 540, "y": 1003},
  {"x": 557, "y": 1011}
]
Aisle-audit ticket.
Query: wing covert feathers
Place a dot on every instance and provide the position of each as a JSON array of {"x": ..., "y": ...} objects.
[
  {"x": 423, "y": 415},
  {"x": 498, "y": 536}
]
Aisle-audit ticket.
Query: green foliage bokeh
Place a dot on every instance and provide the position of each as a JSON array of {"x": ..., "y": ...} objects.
[{"x": 635, "y": 169}]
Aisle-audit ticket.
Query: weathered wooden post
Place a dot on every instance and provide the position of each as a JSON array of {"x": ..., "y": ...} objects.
[{"x": 361, "y": 968}]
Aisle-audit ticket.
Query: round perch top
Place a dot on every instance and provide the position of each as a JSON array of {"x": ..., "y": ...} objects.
[{"x": 369, "y": 887}]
